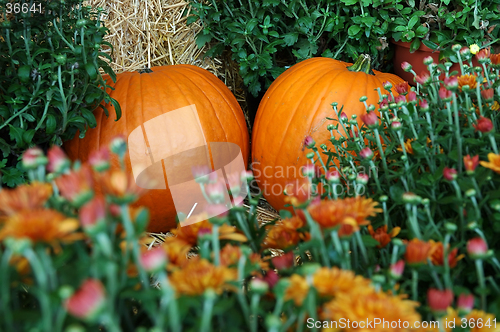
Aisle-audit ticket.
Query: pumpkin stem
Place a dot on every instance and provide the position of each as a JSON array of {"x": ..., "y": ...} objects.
[
  {"x": 145, "y": 70},
  {"x": 362, "y": 64}
]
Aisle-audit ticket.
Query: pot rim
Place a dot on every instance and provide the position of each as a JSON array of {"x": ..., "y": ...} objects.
[{"x": 422, "y": 47}]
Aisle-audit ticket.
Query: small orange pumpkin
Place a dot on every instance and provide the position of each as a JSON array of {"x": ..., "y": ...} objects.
[
  {"x": 298, "y": 104},
  {"x": 149, "y": 95}
]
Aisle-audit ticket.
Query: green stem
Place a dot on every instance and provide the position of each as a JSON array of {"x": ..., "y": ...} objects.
[
  {"x": 361, "y": 246},
  {"x": 362, "y": 64},
  {"x": 481, "y": 280},
  {"x": 216, "y": 244},
  {"x": 414, "y": 284}
]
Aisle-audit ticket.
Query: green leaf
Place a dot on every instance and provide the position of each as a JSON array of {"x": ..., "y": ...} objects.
[
  {"x": 429, "y": 44},
  {"x": 251, "y": 24},
  {"x": 24, "y": 73},
  {"x": 50, "y": 124},
  {"x": 353, "y": 30},
  {"x": 28, "y": 135},
  {"x": 290, "y": 38},
  {"x": 16, "y": 134},
  {"x": 202, "y": 39},
  {"x": 89, "y": 116},
  {"x": 350, "y": 2},
  {"x": 413, "y": 20},
  {"x": 4, "y": 147},
  {"x": 369, "y": 241},
  {"x": 284, "y": 214},
  {"x": 90, "y": 68},
  {"x": 12, "y": 177}
]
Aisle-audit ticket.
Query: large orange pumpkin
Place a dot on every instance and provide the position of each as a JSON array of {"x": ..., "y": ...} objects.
[
  {"x": 297, "y": 104},
  {"x": 152, "y": 95}
]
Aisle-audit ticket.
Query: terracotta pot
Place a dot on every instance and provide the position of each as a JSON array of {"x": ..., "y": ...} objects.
[{"x": 402, "y": 54}]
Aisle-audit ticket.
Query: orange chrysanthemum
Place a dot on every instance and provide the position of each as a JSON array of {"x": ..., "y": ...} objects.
[
  {"x": 25, "y": 197},
  {"x": 285, "y": 234},
  {"x": 469, "y": 80},
  {"x": 495, "y": 106},
  {"x": 408, "y": 147},
  {"x": 493, "y": 162},
  {"x": 189, "y": 233},
  {"x": 198, "y": 275},
  {"x": 495, "y": 59},
  {"x": 437, "y": 255},
  {"x": 417, "y": 252},
  {"x": 177, "y": 251},
  {"x": 382, "y": 236},
  {"x": 334, "y": 281},
  {"x": 481, "y": 316},
  {"x": 120, "y": 185},
  {"x": 297, "y": 289},
  {"x": 40, "y": 225},
  {"x": 371, "y": 307},
  {"x": 350, "y": 213}
]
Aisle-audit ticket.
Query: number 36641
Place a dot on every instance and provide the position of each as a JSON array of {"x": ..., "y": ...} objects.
[{"x": 24, "y": 8}]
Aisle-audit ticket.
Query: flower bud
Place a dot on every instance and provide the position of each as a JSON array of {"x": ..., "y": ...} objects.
[
  {"x": 396, "y": 270},
  {"x": 370, "y": 119},
  {"x": 439, "y": 300},
  {"x": 118, "y": 146},
  {"x": 477, "y": 248},
  {"x": 153, "y": 260},
  {"x": 411, "y": 198},
  {"x": 34, "y": 157},
  {"x": 484, "y": 125},
  {"x": 309, "y": 142},
  {"x": 362, "y": 178},
  {"x": 449, "y": 174},
  {"x": 330, "y": 127},
  {"x": 363, "y": 98},
  {"x": 58, "y": 161},
  {"x": 333, "y": 176},
  {"x": 445, "y": 94},
  {"x": 456, "y": 47},
  {"x": 465, "y": 303},
  {"x": 387, "y": 85},
  {"x": 406, "y": 66},
  {"x": 100, "y": 160},
  {"x": 428, "y": 60},
  {"x": 366, "y": 153},
  {"x": 87, "y": 302}
]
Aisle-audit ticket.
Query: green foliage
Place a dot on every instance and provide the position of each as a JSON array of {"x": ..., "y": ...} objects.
[
  {"x": 265, "y": 37},
  {"x": 49, "y": 72},
  {"x": 445, "y": 22}
]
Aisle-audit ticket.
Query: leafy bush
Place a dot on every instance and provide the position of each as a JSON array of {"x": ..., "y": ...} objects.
[
  {"x": 444, "y": 23},
  {"x": 266, "y": 37},
  {"x": 49, "y": 73}
]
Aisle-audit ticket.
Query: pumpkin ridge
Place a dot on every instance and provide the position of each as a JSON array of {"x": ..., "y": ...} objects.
[
  {"x": 209, "y": 102},
  {"x": 211, "y": 82},
  {"x": 280, "y": 150},
  {"x": 285, "y": 92},
  {"x": 288, "y": 72}
]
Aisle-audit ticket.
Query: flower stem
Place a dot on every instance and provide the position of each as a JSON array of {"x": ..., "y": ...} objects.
[
  {"x": 481, "y": 280},
  {"x": 362, "y": 247},
  {"x": 414, "y": 284},
  {"x": 216, "y": 244}
]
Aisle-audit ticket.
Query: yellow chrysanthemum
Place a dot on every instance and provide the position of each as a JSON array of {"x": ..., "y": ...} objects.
[
  {"x": 297, "y": 290},
  {"x": 331, "y": 282},
  {"x": 474, "y": 48},
  {"x": 482, "y": 321},
  {"x": 371, "y": 307},
  {"x": 493, "y": 162},
  {"x": 198, "y": 275},
  {"x": 41, "y": 225}
]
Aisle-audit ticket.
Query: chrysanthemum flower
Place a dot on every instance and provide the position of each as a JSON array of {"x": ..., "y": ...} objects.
[
  {"x": 120, "y": 186},
  {"x": 350, "y": 213},
  {"x": 382, "y": 236},
  {"x": 371, "y": 307},
  {"x": 493, "y": 162},
  {"x": 189, "y": 234},
  {"x": 297, "y": 289},
  {"x": 417, "y": 252},
  {"x": 469, "y": 80},
  {"x": 24, "y": 197},
  {"x": 40, "y": 225},
  {"x": 437, "y": 255},
  {"x": 198, "y": 275},
  {"x": 285, "y": 234},
  {"x": 331, "y": 282},
  {"x": 481, "y": 316},
  {"x": 77, "y": 186}
]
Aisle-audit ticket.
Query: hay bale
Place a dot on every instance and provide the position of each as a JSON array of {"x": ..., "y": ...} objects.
[{"x": 148, "y": 33}]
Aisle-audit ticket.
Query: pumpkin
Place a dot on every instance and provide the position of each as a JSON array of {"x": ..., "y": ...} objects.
[
  {"x": 161, "y": 94},
  {"x": 297, "y": 104}
]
